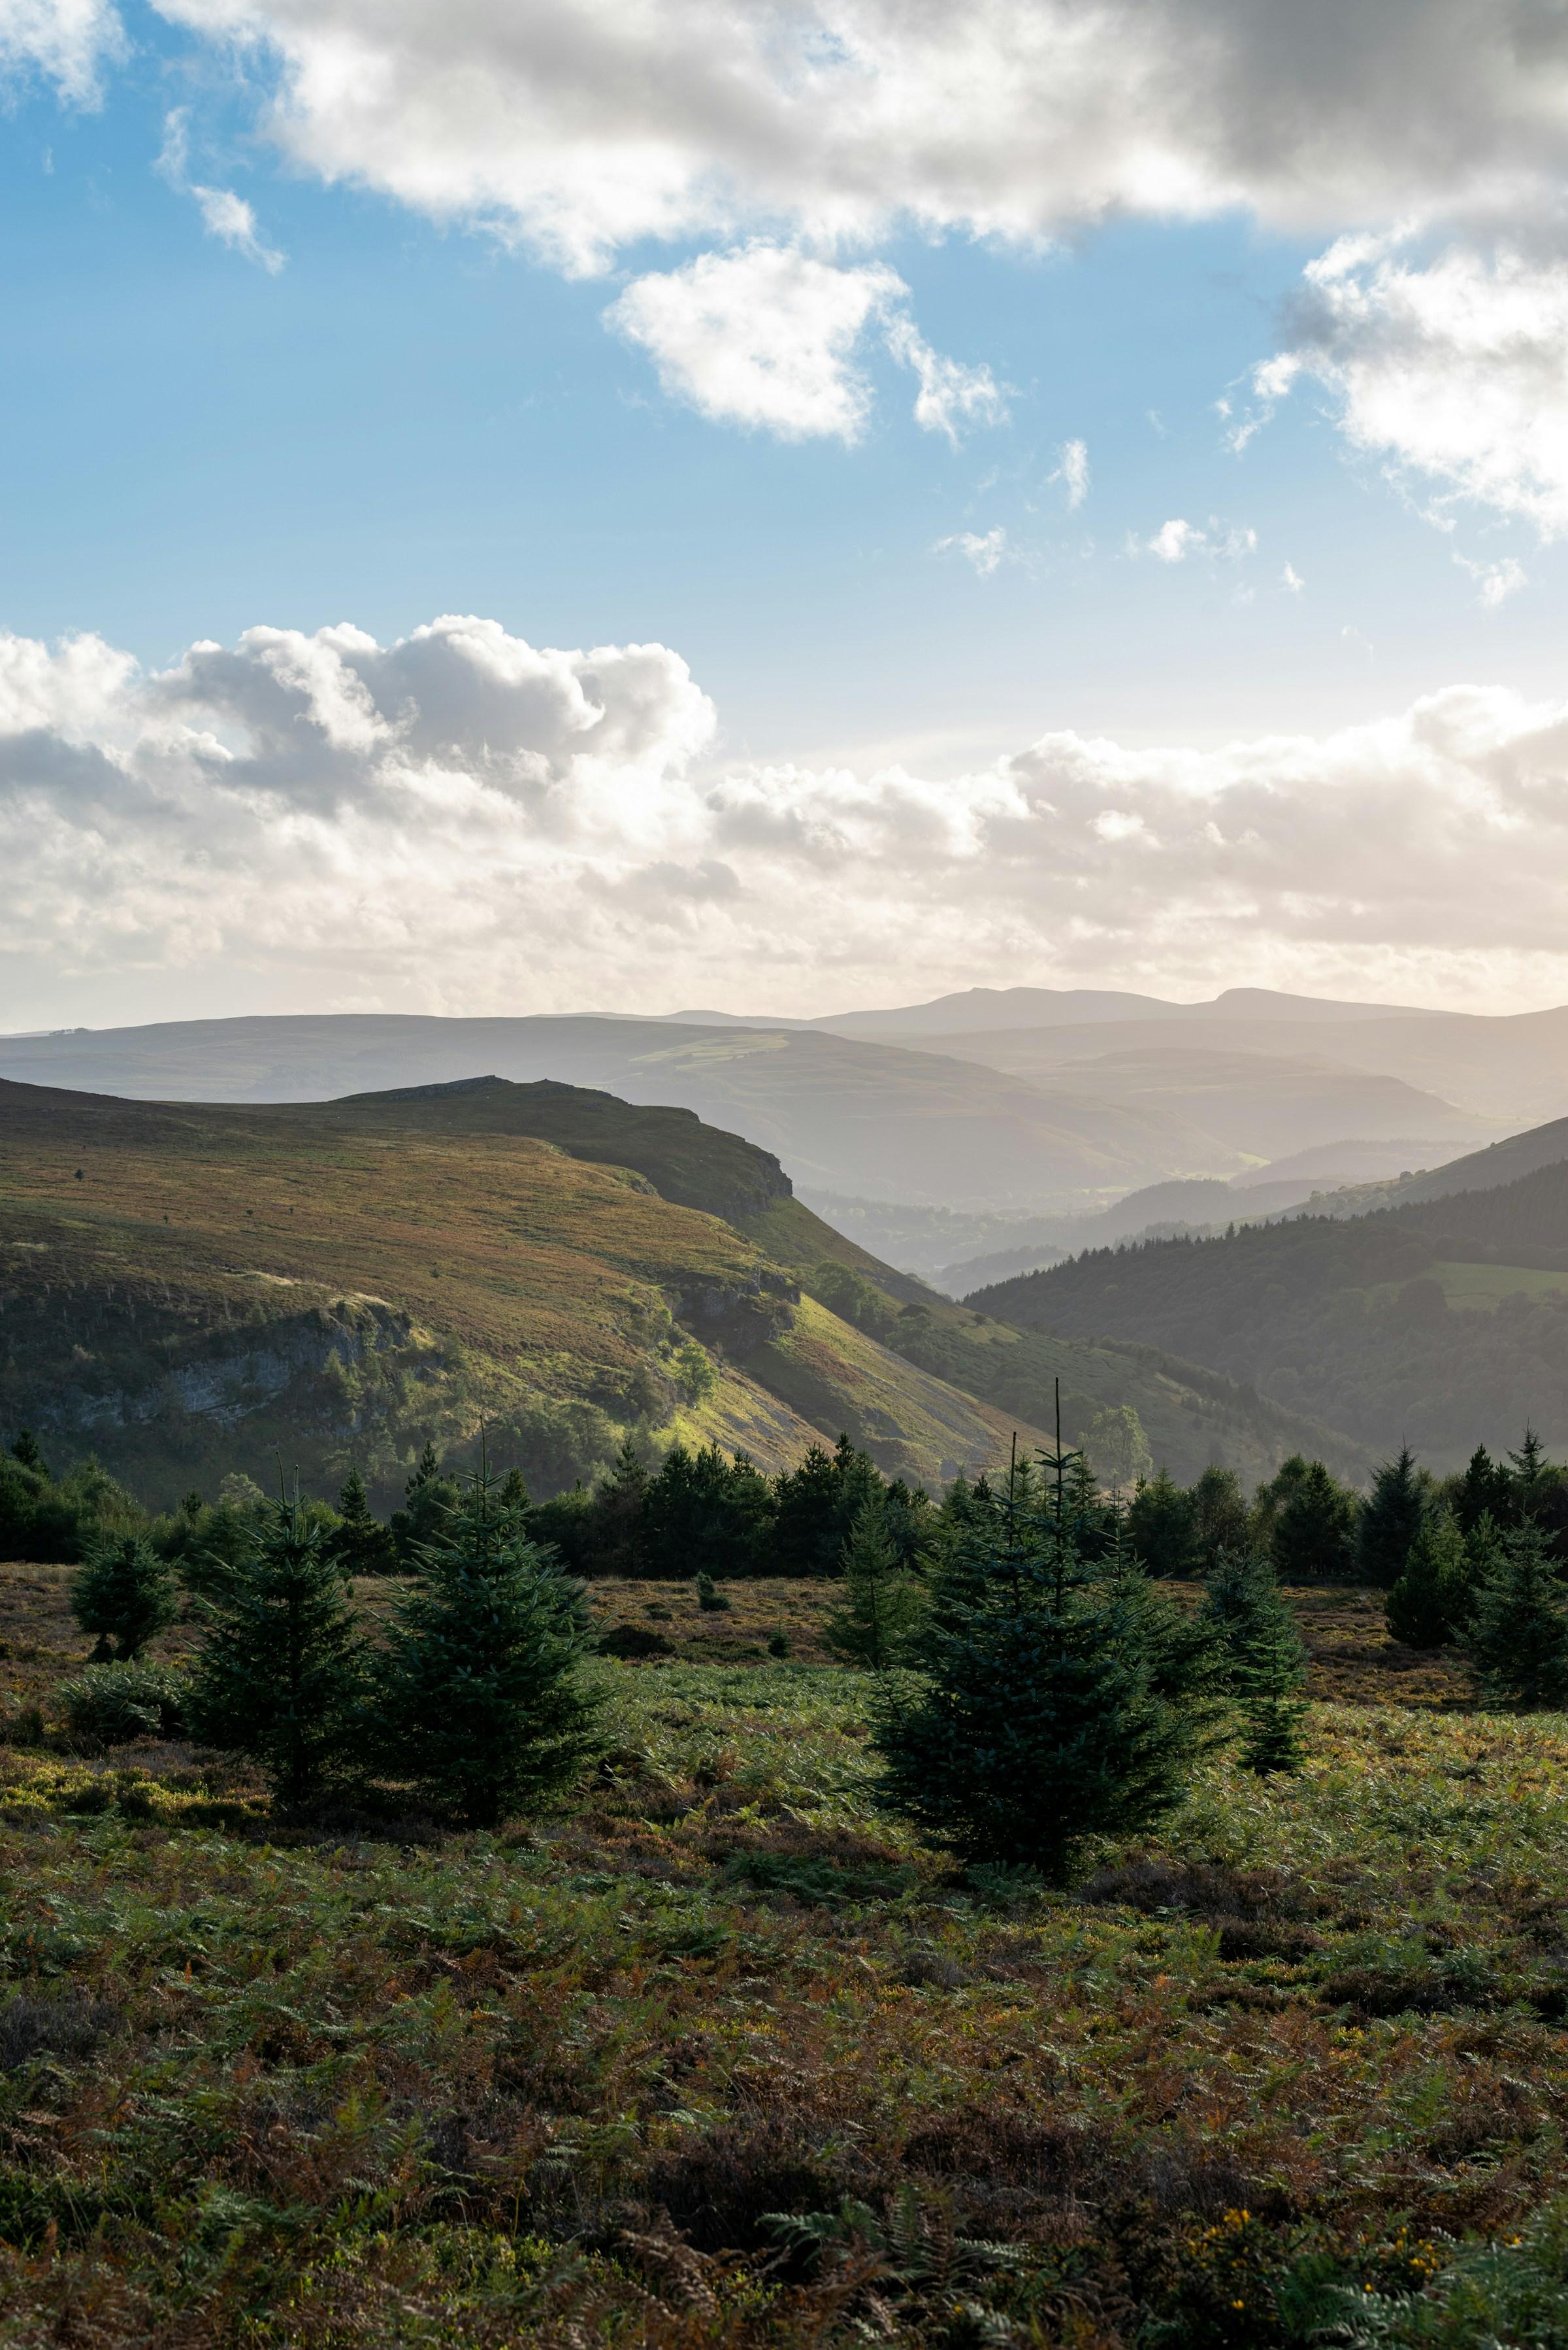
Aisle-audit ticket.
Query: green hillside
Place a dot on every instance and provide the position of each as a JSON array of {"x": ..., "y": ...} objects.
[
  {"x": 189, "y": 1288},
  {"x": 1440, "y": 1321}
]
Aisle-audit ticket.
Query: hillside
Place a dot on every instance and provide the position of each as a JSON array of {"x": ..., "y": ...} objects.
[
  {"x": 189, "y": 1289},
  {"x": 340, "y": 1280},
  {"x": 1440, "y": 1321}
]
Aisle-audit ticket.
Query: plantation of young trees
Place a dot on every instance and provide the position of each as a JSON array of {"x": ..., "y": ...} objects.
[{"x": 1036, "y": 1681}]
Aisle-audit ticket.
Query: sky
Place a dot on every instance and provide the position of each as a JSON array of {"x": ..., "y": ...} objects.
[{"x": 626, "y": 504}]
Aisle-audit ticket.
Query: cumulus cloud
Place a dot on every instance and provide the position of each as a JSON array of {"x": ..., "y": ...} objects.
[
  {"x": 581, "y": 129},
  {"x": 224, "y": 215},
  {"x": 66, "y": 41},
  {"x": 772, "y": 337},
  {"x": 1452, "y": 368},
  {"x": 461, "y": 820}
]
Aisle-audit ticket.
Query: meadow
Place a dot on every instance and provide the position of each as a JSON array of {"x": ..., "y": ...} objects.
[{"x": 376, "y": 2083}]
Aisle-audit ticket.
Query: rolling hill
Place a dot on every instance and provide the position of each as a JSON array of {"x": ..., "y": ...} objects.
[
  {"x": 187, "y": 1288},
  {"x": 1441, "y": 1320}
]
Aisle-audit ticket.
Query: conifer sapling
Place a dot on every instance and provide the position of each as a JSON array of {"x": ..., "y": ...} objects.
[
  {"x": 482, "y": 1701},
  {"x": 125, "y": 1594},
  {"x": 280, "y": 1672}
]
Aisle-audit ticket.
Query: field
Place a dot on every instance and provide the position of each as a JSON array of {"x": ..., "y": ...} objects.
[{"x": 379, "y": 2084}]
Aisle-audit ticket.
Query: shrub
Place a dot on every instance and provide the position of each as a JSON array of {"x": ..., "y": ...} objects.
[{"x": 110, "y": 1705}]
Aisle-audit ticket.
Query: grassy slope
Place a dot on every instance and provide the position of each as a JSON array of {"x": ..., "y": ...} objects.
[
  {"x": 341, "y": 2090},
  {"x": 338, "y": 1280}
]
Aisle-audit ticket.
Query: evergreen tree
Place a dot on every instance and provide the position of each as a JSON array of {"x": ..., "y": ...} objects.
[
  {"x": 1162, "y": 1526},
  {"x": 909, "y": 1523},
  {"x": 1391, "y": 1519},
  {"x": 618, "y": 1535},
  {"x": 25, "y": 1449},
  {"x": 705, "y": 1515},
  {"x": 816, "y": 1506},
  {"x": 1422, "y": 1603},
  {"x": 883, "y": 1601},
  {"x": 1219, "y": 1515},
  {"x": 124, "y": 1596},
  {"x": 1517, "y": 1641},
  {"x": 429, "y": 1498},
  {"x": 280, "y": 1672},
  {"x": 1485, "y": 1491},
  {"x": 1265, "y": 1656},
  {"x": 1530, "y": 1466},
  {"x": 360, "y": 1544},
  {"x": 482, "y": 1703},
  {"x": 1048, "y": 1711},
  {"x": 1313, "y": 1538},
  {"x": 1484, "y": 1559}
]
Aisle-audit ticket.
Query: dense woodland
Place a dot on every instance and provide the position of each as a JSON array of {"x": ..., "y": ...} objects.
[{"x": 1349, "y": 1321}]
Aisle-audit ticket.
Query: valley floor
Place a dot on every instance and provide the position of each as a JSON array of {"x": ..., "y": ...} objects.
[{"x": 382, "y": 2085}]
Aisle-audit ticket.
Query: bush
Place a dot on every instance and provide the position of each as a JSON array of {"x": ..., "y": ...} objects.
[{"x": 110, "y": 1705}]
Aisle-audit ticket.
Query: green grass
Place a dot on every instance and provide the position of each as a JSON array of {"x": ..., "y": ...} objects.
[{"x": 379, "y": 2085}]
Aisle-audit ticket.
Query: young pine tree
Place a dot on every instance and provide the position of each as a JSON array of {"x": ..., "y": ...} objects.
[
  {"x": 1264, "y": 1658},
  {"x": 280, "y": 1671},
  {"x": 428, "y": 1497},
  {"x": 1391, "y": 1519},
  {"x": 482, "y": 1703},
  {"x": 1313, "y": 1538},
  {"x": 1162, "y": 1526},
  {"x": 1425, "y": 1605},
  {"x": 1517, "y": 1641},
  {"x": 125, "y": 1594},
  {"x": 360, "y": 1542},
  {"x": 884, "y": 1603},
  {"x": 1052, "y": 1709}
]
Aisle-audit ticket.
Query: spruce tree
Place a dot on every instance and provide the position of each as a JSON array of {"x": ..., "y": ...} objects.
[
  {"x": 1219, "y": 1515},
  {"x": 1265, "y": 1656},
  {"x": 817, "y": 1504},
  {"x": 617, "y": 1536},
  {"x": 1421, "y": 1608},
  {"x": 427, "y": 1498},
  {"x": 280, "y": 1672},
  {"x": 360, "y": 1542},
  {"x": 1315, "y": 1528},
  {"x": 125, "y": 1595},
  {"x": 1391, "y": 1519},
  {"x": 1047, "y": 1712},
  {"x": 1162, "y": 1526},
  {"x": 26, "y": 1450},
  {"x": 1517, "y": 1641},
  {"x": 1485, "y": 1491},
  {"x": 482, "y": 1703},
  {"x": 883, "y": 1602}
]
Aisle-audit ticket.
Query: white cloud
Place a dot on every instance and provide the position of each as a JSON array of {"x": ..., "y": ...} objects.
[
  {"x": 462, "y": 821},
  {"x": 1454, "y": 368},
  {"x": 1072, "y": 471},
  {"x": 579, "y": 129},
  {"x": 1291, "y": 579},
  {"x": 224, "y": 215},
  {"x": 772, "y": 337},
  {"x": 984, "y": 549},
  {"x": 950, "y": 394},
  {"x": 66, "y": 41},
  {"x": 1175, "y": 540},
  {"x": 766, "y": 336}
]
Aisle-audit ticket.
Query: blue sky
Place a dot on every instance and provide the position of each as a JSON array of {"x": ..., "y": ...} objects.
[{"x": 389, "y": 394}]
